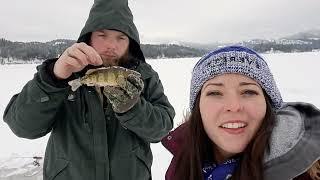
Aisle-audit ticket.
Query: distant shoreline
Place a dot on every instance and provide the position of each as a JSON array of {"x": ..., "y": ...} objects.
[{"x": 5, "y": 61}]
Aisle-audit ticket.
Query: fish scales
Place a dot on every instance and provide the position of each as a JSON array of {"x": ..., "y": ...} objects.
[{"x": 106, "y": 76}]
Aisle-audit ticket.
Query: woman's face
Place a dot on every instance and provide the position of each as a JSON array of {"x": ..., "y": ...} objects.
[{"x": 232, "y": 108}]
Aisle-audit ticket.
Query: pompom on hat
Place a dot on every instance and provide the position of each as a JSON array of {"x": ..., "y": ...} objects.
[{"x": 234, "y": 59}]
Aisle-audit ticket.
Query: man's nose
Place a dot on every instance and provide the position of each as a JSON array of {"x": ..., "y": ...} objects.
[{"x": 110, "y": 43}]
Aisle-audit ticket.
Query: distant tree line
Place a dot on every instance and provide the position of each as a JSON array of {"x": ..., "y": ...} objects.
[
  {"x": 305, "y": 45},
  {"x": 170, "y": 51},
  {"x": 30, "y": 51},
  {"x": 37, "y": 50}
]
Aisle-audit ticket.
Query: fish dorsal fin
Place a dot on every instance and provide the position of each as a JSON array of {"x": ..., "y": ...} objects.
[
  {"x": 90, "y": 71},
  {"x": 114, "y": 68}
]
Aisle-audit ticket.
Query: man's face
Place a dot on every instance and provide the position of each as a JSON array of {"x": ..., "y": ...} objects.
[{"x": 111, "y": 45}]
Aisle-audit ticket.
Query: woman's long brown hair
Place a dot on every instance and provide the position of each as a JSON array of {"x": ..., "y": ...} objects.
[{"x": 198, "y": 148}]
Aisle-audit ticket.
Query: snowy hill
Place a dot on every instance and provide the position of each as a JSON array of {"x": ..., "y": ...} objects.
[
  {"x": 300, "y": 42},
  {"x": 307, "y": 35}
]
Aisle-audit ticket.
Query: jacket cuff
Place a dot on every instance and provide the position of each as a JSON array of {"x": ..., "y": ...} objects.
[{"x": 49, "y": 77}]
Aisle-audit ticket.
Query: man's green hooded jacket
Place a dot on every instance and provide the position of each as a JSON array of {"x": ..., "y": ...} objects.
[{"x": 88, "y": 141}]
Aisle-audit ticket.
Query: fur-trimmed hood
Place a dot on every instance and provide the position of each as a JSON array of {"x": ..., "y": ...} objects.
[{"x": 295, "y": 141}]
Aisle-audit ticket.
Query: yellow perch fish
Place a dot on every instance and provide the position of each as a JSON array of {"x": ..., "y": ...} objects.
[{"x": 105, "y": 76}]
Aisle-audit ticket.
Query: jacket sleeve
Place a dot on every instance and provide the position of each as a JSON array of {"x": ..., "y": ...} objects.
[
  {"x": 152, "y": 117},
  {"x": 31, "y": 113}
]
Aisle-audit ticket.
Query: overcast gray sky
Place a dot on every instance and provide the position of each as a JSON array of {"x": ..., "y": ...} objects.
[{"x": 202, "y": 21}]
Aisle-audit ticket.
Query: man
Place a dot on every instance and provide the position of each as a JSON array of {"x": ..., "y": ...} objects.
[{"x": 95, "y": 136}]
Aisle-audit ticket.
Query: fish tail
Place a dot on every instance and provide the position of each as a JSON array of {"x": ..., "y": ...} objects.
[{"x": 75, "y": 84}]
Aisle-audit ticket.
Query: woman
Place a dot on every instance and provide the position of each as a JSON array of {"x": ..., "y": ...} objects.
[{"x": 239, "y": 127}]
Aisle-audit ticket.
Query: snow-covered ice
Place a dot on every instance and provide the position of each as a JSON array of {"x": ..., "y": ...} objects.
[{"x": 297, "y": 76}]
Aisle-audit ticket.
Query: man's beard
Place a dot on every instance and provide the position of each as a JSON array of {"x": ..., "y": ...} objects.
[{"x": 115, "y": 61}]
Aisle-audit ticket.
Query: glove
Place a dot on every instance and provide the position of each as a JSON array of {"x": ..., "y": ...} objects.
[
  {"x": 124, "y": 97},
  {"x": 133, "y": 85}
]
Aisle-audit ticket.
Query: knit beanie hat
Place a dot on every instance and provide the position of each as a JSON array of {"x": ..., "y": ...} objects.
[{"x": 234, "y": 59}]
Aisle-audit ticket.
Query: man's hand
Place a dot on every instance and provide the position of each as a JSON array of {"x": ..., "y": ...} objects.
[
  {"x": 123, "y": 98},
  {"x": 74, "y": 59}
]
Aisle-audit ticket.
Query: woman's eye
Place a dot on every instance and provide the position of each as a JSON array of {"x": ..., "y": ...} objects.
[
  {"x": 250, "y": 92},
  {"x": 214, "y": 93}
]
